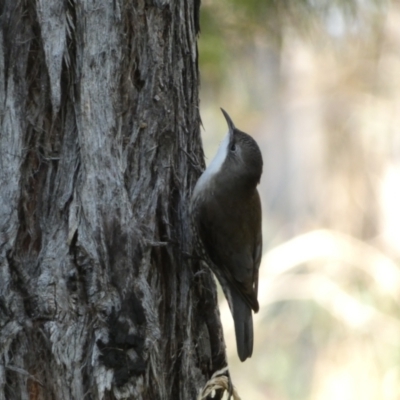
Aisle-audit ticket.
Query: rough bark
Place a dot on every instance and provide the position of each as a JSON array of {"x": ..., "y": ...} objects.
[{"x": 100, "y": 297}]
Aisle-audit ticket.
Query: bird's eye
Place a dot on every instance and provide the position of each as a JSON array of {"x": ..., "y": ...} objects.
[{"x": 233, "y": 147}]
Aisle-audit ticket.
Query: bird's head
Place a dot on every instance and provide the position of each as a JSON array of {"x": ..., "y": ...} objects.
[
  {"x": 237, "y": 166},
  {"x": 243, "y": 160}
]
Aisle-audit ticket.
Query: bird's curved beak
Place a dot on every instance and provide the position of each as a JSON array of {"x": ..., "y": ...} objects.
[{"x": 230, "y": 123}]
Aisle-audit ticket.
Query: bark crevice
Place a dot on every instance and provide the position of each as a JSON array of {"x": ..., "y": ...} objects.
[{"x": 100, "y": 293}]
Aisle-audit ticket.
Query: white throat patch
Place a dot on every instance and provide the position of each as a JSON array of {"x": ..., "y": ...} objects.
[{"x": 214, "y": 166}]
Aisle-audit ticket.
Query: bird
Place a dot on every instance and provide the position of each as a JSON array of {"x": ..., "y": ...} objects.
[{"x": 226, "y": 214}]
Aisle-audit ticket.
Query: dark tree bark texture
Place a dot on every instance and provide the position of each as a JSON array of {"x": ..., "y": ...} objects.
[{"x": 100, "y": 296}]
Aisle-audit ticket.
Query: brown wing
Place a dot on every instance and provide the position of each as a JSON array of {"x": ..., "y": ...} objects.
[
  {"x": 257, "y": 252},
  {"x": 231, "y": 235}
]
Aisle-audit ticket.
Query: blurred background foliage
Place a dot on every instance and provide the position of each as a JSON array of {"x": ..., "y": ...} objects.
[{"x": 317, "y": 83}]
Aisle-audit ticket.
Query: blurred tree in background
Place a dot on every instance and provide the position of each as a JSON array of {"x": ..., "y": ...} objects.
[{"x": 317, "y": 84}]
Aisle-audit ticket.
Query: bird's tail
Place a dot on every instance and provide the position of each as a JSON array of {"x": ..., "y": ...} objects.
[{"x": 243, "y": 319}]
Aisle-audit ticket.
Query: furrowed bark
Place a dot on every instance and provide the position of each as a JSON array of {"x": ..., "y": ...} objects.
[{"x": 100, "y": 296}]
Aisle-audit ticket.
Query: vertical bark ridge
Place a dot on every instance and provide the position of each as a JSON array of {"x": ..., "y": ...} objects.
[{"x": 100, "y": 296}]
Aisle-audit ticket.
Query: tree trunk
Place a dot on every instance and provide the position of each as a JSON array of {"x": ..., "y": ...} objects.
[{"x": 100, "y": 295}]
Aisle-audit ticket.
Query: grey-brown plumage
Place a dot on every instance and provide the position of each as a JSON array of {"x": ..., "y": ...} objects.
[{"x": 226, "y": 212}]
